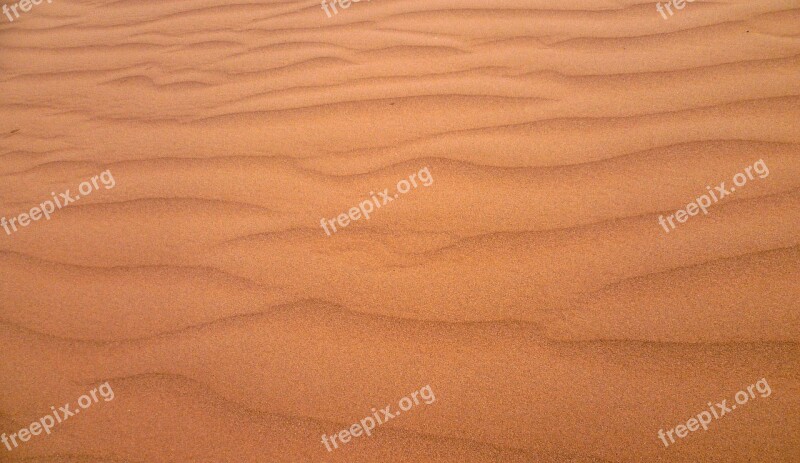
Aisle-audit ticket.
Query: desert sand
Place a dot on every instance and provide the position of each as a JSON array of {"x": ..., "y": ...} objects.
[{"x": 530, "y": 285}]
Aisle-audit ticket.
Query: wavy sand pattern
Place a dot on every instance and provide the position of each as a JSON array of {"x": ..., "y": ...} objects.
[{"x": 530, "y": 285}]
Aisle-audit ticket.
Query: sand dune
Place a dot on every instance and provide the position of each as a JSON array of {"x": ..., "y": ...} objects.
[{"x": 530, "y": 284}]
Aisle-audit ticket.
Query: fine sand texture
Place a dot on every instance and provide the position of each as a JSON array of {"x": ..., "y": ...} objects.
[{"x": 531, "y": 272}]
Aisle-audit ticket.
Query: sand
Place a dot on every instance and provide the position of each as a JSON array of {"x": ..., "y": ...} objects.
[{"x": 530, "y": 284}]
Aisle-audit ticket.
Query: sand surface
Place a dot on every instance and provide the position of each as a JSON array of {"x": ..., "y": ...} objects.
[{"x": 530, "y": 284}]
